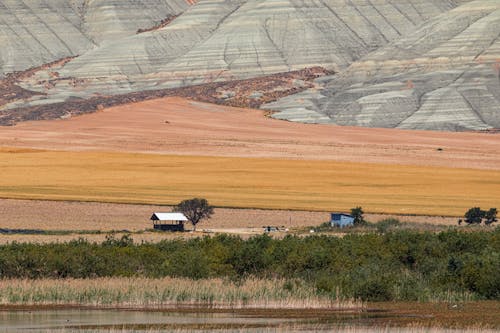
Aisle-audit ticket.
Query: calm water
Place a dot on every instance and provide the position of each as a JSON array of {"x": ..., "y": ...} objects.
[
  {"x": 125, "y": 321},
  {"x": 97, "y": 321}
]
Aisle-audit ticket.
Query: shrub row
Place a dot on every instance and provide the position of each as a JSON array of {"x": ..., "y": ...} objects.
[{"x": 402, "y": 265}]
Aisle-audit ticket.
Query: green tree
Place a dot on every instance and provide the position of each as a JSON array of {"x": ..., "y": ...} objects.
[
  {"x": 474, "y": 215},
  {"x": 490, "y": 216},
  {"x": 195, "y": 209},
  {"x": 357, "y": 213}
]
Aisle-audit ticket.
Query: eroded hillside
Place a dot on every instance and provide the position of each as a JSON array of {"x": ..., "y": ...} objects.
[
  {"x": 34, "y": 32},
  {"x": 423, "y": 64},
  {"x": 443, "y": 76}
]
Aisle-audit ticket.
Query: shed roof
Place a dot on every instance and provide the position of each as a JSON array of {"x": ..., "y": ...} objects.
[
  {"x": 168, "y": 217},
  {"x": 342, "y": 214}
]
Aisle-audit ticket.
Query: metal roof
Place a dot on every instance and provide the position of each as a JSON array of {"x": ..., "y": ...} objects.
[
  {"x": 343, "y": 214},
  {"x": 168, "y": 217}
]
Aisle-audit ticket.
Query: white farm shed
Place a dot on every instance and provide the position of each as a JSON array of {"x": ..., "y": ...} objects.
[{"x": 169, "y": 221}]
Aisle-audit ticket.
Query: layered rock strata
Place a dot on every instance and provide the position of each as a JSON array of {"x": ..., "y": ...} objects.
[
  {"x": 443, "y": 76},
  {"x": 416, "y": 64},
  {"x": 35, "y": 32}
]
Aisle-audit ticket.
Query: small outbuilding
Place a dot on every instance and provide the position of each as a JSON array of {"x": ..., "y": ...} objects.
[
  {"x": 169, "y": 221},
  {"x": 341, "y": 220},
  {"x": 270, "y": 228}
]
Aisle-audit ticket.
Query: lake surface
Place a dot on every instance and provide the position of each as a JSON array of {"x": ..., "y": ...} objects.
[
  {"x": 97, "y": 321},
  {"x": 81, "y": 320}
]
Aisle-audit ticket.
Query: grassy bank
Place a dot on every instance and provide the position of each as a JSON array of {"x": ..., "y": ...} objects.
[
  {"x": 396, "y": 266},
  {"x": 276, "y": 307},
  {"x": 215, "y": 293},
  {"x": 245, "y": 182}
]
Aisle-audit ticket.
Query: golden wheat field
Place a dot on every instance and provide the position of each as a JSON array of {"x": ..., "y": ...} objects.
[{"x": 245, "y": 182}]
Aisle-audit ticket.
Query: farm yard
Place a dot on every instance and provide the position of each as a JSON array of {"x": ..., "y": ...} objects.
[
  {"x": 64, "y": 215},
  {"x": 42, "y": 221}
]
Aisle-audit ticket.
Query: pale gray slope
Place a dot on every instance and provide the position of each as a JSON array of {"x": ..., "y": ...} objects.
[
  {"x": 35, "y": 32},
  {"x": 224, "y": 39},
  {"x": 443, "y": 76},
  {"x": 109, "y": 20},
  {"x": 146, "y": 53}
]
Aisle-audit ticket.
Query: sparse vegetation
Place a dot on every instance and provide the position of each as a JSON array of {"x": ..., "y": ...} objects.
[{"x": 382, "y": 226}]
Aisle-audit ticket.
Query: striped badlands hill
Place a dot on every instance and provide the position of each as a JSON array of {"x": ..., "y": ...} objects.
[
  {"x": 415, "y": 64},
  {"x": 442, "y": 76},
  {"x": 34, "y": 32}
]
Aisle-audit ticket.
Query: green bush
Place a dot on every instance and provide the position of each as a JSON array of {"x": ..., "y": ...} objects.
[
  {"x": 374, "y": 289},
  {"x": 384, "y": 225},
  {"x": 397, "y": 265}
]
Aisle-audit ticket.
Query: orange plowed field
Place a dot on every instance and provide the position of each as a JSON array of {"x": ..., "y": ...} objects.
[{"x": 178, "y": 126}]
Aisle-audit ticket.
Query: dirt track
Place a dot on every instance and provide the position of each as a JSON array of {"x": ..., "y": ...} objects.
[{"x": 179, "y": 126}]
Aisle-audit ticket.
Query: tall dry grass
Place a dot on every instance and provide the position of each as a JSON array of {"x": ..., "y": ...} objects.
[
  {"x": 246, "y": 182},
  {"x": 168, "y": 292}
]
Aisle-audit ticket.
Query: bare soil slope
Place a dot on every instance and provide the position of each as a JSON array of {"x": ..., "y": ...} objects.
[{"x": 179, "y": 126}]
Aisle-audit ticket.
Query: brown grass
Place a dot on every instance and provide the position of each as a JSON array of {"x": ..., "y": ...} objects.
[
  {"x": 246, "y": 182},
  {"x": 147, "y": 293}
]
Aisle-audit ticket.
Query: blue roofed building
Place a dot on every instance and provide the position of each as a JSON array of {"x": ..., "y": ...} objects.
[{"x": 341, "y": 220}]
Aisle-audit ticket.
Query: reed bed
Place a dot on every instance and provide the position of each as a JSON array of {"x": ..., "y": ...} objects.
[{"x": 145, "y": 293}]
